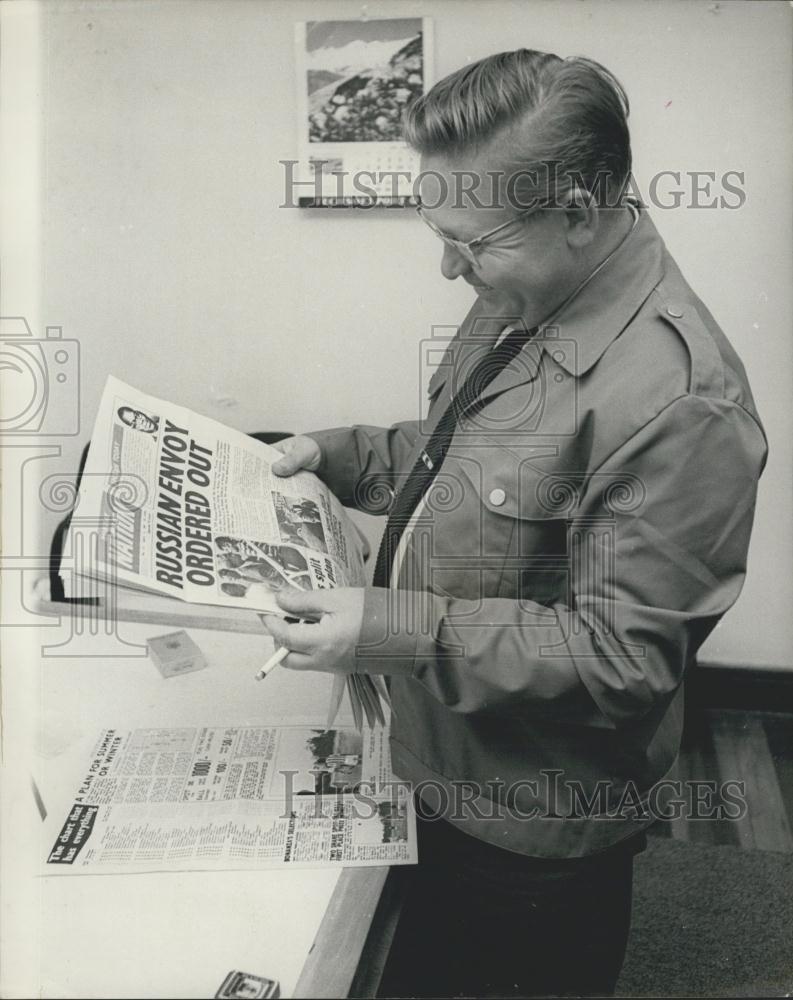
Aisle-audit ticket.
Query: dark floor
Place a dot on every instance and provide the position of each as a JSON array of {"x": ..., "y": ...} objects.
[{"x": 710, "y": 920}]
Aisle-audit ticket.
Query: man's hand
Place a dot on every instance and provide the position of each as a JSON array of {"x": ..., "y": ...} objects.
[
  {"x": 329, "y": 644},
  {"x": 300, "y": 452}
]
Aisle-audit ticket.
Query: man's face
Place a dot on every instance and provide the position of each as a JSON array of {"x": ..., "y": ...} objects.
[
  {"x": 143, "y": 423},
  {"x": 139, "y": 420},
  {"x": 527, "y": 268}
]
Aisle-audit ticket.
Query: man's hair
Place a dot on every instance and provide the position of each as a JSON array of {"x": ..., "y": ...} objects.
[{"x": 539, "y": 109}]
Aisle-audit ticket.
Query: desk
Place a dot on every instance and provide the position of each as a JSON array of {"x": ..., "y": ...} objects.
[{"x": 178, "y": 934}]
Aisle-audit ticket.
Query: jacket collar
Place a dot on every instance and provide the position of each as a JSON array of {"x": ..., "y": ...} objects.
[
  {"x": 579, "y": 334},
  {"x": 604, "y": 307}
]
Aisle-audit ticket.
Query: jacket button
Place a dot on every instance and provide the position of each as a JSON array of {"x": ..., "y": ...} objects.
[
  {"x": 498, "y": 498},
  {"x": 674, "y": 312}
]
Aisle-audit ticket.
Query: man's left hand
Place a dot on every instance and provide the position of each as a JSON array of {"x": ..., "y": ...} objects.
[{"x": 329, "y": 643}]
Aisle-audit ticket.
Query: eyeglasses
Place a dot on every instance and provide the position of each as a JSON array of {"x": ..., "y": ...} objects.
[{"x": 469, "y": 250}]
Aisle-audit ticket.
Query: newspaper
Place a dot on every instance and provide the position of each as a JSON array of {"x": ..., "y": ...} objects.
[
  {"x": 190, "y": 508},
  {"x": 232, "y": 797},
  {"x": 193, "y": 511}
]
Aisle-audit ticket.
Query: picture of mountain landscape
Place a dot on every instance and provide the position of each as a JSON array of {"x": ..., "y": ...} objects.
[{"x": 360, "y": 76}]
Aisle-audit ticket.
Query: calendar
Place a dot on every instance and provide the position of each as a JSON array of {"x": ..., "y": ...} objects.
[{"x": 355, "y": 78}]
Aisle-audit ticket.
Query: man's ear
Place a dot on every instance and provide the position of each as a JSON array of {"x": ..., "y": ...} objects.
[{"x": 582, "y": 219}]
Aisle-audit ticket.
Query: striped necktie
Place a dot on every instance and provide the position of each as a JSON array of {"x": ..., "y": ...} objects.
[{"x": 466, "y": 402}]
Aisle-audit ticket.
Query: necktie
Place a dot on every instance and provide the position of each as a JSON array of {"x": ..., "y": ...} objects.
[{"x": 467, "y": 401}]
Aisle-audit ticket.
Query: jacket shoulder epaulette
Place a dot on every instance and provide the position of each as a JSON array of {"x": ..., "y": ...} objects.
[{"x": 707, "y": 369}]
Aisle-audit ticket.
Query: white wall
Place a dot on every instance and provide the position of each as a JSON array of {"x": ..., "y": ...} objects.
[{"x": 166, "y": 255}]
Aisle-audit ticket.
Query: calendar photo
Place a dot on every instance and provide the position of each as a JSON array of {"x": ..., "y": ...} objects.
[{"x": 355, "y": 79}]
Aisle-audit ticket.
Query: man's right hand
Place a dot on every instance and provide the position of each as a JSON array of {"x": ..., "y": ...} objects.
[{"x": 300, "y": 452}]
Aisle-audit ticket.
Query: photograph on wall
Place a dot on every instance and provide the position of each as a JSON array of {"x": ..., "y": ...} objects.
[{"x": 355, "y": 79}]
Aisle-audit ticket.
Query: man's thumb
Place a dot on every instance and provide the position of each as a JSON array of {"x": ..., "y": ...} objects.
[
  {"x": 301, "y": 603},
  {"x": 300, "y": 452},
  {"x": 286, "y": 465}
]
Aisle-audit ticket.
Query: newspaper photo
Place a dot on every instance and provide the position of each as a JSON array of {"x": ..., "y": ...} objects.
[
  {"x": 192, "y": 510},
  {"x": 226, "y": 797}
]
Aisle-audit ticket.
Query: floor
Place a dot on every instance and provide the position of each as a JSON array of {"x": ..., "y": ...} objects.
[{"x": 755, "y": 748}]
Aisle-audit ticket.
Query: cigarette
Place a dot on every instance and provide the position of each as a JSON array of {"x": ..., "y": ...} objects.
[{"x": 275, "y": 659}]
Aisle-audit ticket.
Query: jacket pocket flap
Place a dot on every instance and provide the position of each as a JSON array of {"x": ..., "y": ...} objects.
[{"x": 513, "y": 485}]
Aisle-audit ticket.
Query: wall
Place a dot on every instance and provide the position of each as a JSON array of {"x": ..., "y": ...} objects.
[{"x": 165, "y": 253}]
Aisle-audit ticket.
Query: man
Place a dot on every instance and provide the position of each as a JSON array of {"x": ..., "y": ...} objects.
[{"x": 573, "y": 542}]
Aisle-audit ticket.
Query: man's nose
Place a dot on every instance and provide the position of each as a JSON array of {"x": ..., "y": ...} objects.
[{"x": 453, "y": 264}]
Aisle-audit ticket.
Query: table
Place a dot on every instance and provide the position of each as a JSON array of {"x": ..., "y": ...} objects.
[{"x": 175, "y": 934}]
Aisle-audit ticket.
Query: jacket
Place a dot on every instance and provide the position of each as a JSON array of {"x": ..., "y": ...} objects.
[{"x": 586, "y": 532}]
